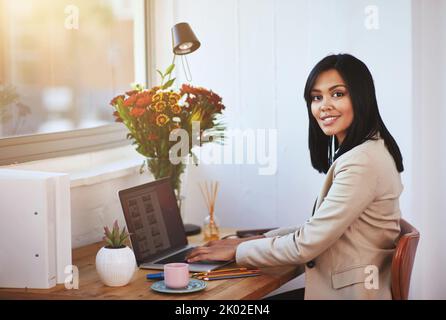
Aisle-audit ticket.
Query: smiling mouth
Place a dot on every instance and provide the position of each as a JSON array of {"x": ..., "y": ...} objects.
[{"x": 329, "y": 120}]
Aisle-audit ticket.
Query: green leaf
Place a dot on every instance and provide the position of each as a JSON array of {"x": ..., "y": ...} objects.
[
  {"x": 107, "y": 232},
  {"x": 122, "y": 233},
  {"x": 123, "y": 236},
  {"x": 108, "y": 241},
  {"x": 160, "y": 73},
  {"x": 169, "y": 70},
  {"x": 169, "y": 83}
]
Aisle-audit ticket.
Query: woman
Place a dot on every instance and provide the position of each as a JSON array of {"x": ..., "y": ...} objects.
[{"x": 348, "y": 243}]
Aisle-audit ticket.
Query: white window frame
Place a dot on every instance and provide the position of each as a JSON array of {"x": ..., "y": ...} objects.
[{"x": 44, "y": 146}]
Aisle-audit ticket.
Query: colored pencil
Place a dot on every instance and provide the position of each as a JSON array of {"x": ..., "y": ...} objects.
[
  {"x": 228, "y": 274},
  {"x": 231, "y": 277},
  {"x": 222, "y": 271}
]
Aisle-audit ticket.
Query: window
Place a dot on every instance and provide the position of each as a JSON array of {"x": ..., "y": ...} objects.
[{"x": 61, "y": 62}]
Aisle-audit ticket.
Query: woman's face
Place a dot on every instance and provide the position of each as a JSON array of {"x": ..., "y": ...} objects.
[{"x": 331, "y": 104}]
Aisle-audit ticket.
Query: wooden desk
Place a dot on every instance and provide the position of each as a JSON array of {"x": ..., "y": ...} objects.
[{"x": 90, "y": 286}]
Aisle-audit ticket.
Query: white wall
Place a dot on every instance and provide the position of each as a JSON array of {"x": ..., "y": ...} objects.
[
  {"x": 429, "y": 174},
  {"x": 97, "y": 205}
]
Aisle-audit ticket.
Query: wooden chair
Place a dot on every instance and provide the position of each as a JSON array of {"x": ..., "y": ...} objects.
[{"x": 403, "y": 259}]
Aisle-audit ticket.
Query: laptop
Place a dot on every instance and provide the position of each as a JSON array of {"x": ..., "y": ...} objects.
[{"x": 156, "y": 229}]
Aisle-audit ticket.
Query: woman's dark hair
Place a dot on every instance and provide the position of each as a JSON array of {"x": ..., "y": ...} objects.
[{"x": 366, "y": 119}]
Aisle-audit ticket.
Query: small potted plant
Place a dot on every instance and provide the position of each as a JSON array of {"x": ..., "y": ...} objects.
[{"x": 115, "y": 263}]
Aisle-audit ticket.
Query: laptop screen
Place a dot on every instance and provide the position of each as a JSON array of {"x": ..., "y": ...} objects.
[{"x": 153, "y": 219}]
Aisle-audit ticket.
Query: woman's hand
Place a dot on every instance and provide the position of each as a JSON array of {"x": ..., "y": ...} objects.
[
  {"x": 231, "y": 242},
  {"x": 218, "y": 250},
  {"x": 215, "y": 253},
  {"x": 224, "y": 242}
]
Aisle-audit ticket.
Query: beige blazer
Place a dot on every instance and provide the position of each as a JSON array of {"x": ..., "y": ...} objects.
[{"x": 350, "y": 239}]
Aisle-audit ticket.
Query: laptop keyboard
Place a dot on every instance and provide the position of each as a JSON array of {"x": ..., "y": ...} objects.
[{"x": 179, "y": 257}]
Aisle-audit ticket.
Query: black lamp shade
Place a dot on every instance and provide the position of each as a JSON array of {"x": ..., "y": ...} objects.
[{"x": 184, "y": 39}]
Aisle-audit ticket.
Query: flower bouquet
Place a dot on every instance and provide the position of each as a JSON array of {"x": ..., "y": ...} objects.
[{"x": 157, "y": 117}]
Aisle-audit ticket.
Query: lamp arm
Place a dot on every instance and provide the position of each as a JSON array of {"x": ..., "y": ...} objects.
[{"x": 189, "y": 79}]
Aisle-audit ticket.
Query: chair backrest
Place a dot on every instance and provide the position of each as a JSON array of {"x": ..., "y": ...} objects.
[{"x": 403, "y": 260}]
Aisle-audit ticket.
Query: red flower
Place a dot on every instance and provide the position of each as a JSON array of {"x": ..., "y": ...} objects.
[
  {"x": 117, "y": 116},
  {"x": 130, "y": 101},
  {"x": 131, "y": 93},
  {"x": 191, "y": 101},
  {"x": 188, "y": 89},
  {"x": 116, "y": 99},
  {"x": 144, "y": 101},
  {"x": 196, "y": 95},
  {"x": 137, "y": 112}
]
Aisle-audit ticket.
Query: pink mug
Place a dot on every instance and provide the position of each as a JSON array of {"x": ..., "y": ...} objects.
[{"x": 176, "y": 275}]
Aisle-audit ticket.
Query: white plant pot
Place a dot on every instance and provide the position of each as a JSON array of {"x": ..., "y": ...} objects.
[{"x": 115, "y": 267}]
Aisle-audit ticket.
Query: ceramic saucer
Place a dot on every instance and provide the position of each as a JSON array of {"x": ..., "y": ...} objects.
[{"x": 193, "y": 286}]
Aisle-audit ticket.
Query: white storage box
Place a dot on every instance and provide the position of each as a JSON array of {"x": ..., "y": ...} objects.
[{"x": 35, "y": 228}]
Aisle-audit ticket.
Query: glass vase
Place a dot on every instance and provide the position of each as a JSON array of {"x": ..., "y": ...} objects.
[
  {"x": 163, "y": 167},
  {"x": 210, "y": 228}
]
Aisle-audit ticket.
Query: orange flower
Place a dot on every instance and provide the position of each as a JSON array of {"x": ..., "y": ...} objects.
[
  {"x": 160, "y": 106},
  {"x": 137, "y": 112},
  {"x": 162, "y": 120},
  {"x": 176, "y": 109},
  {"x": 188, "y": 89},
  {"x": 144, "y": 102},
  {"x": 158, "y": 97},
  {"x": 203, "y": 95},
  {"x": 144, "y": 94},
  {"x": 175, "y": 95},
  {"x": 130, "y": 101},
  {"x": 116, "y": 99},
  {"x": 174, "y": 98}
]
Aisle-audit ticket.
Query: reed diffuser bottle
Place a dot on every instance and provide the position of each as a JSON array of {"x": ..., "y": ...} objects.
[{"x": 210, "y": 225}]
